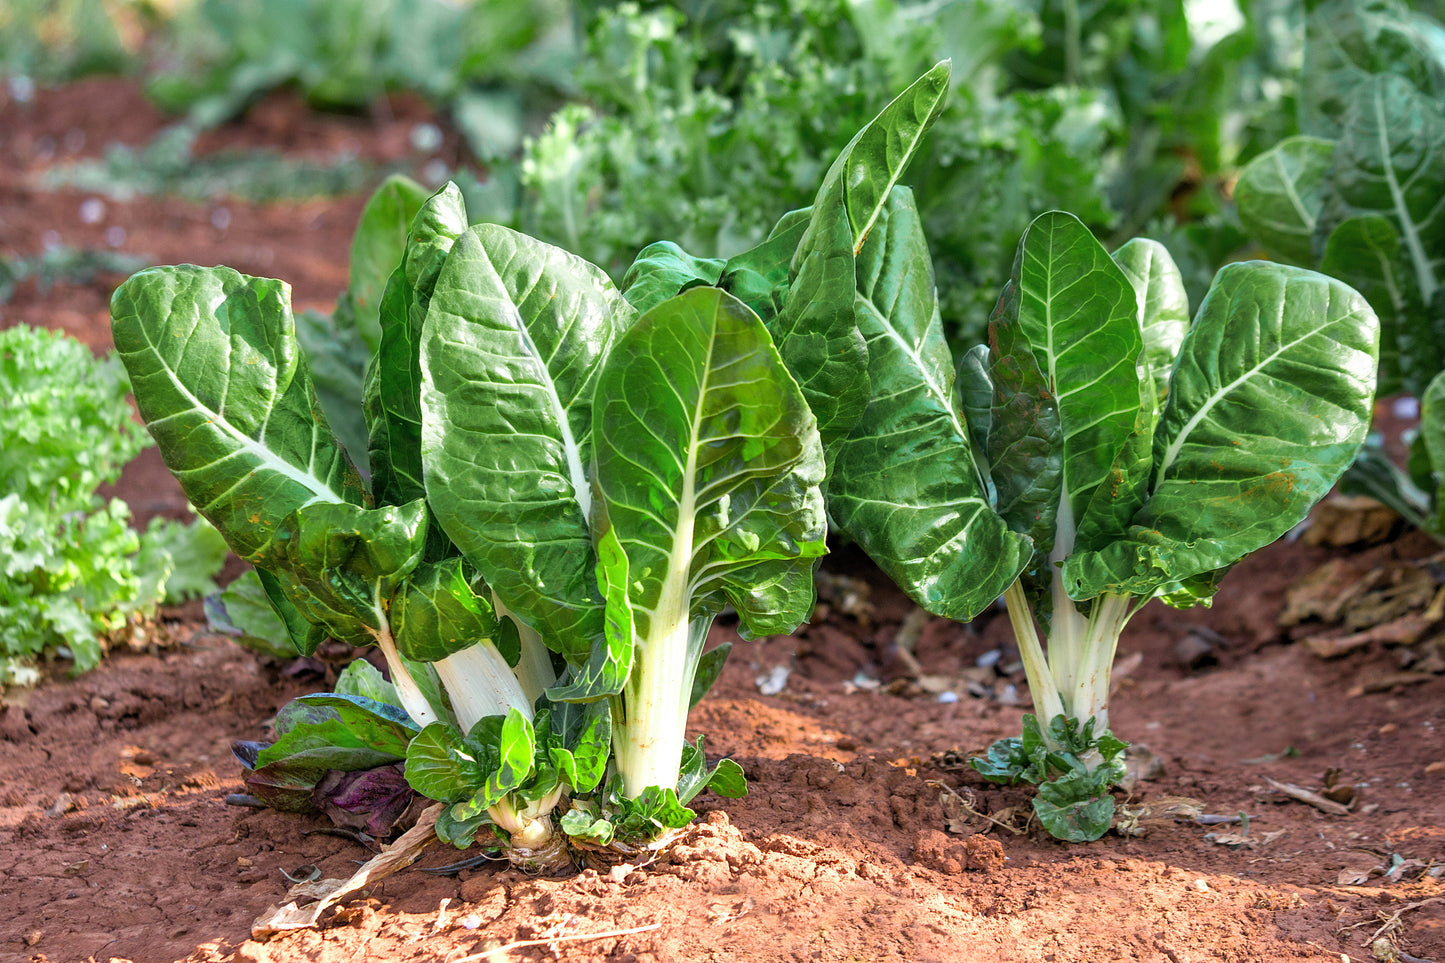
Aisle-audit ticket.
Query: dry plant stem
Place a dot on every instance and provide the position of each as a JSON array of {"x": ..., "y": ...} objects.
[
  {"x": 1309, "y": 798},
  {"x": 963, "y": 804},
  {"x": 570, "y": 938}
]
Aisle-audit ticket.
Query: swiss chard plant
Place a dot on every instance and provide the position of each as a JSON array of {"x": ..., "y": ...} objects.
[
  {"x": 1143, "y": 454},
  {"x": 224, "y": 388},
  {"x": 1357, "y": 195},
  {"x": 550, "y": 474},
  {"x": 847, "y": 288}
]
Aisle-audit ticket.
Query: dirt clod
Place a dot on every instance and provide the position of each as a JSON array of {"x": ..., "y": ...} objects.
[{"x": 949, "y": 855}]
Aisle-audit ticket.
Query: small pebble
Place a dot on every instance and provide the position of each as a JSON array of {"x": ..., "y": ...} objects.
[{"x": 948, "y": 696}]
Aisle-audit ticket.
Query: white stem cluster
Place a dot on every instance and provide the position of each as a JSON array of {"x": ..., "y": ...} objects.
[{"x": 1072, "y": 679}]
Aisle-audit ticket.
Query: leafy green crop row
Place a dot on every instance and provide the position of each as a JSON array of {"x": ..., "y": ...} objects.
[
  {"x": 568, "y": 481},
  {"x": 72, "y": 570}
]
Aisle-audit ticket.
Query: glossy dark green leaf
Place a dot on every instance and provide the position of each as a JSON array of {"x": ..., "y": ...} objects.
[
  {"x": 219, "y": 381},
  {"x": 904, "y": 483},
  {"x": 438, "y": 612},
  {"x": 376, "y": 248},
  {"x": 817, "y": 330},
  {"x": 511, "y": 347},
  {"x": 1270, "y": 400},
  {"x": 438, "y": 766},
  {"x": 1078, "y": 313},
  {"x": 975, "y": 401},
  {"x": 340, "y": 564},
  {"x": 664, "y": 270},
  {"x": 870, "y": 166},
  {"x": 393, "y": 381},
  {"x": 1279, "y": 195}
]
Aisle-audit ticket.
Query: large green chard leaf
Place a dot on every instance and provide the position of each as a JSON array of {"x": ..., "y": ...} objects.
[
  {"x": 1022, "y": 443},
  {"x": 1280, "y": 193},
  {"x": 1390, "y": 163},
  {"x": 1366, "y": 253},
  {"x": 709, "y": 482},
  {"x": 1348, "y": 42},
  {"x": 1269, "y": 402},
  {"x": 816, "y": 331},
  {"x": 217, "y": 376},
  {"x": 511, "y": 348},
  {"x": 1079, "y": 314},
  {"x": 393, "y": 381},
  {"x": 376, "y": 249},
  {"x": 904, "y": 482}
]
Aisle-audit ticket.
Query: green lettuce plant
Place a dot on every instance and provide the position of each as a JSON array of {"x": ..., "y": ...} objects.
[{"x": 73, "y": 573}]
